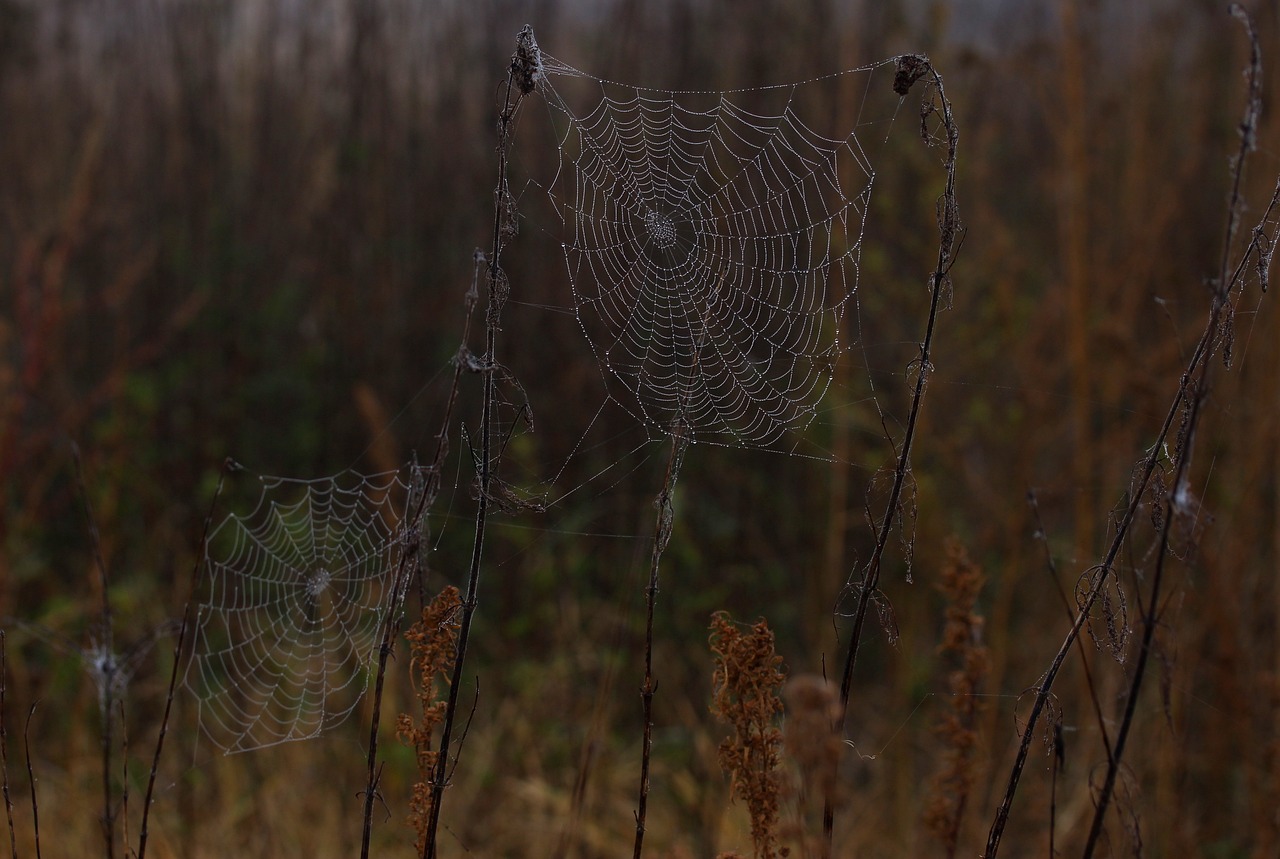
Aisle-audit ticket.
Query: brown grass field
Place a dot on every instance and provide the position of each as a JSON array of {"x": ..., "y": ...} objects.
[{"x": 247, "y": 232}]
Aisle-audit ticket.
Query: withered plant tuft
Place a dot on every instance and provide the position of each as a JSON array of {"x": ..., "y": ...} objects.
[
  {"x": 745, "y": 690},
  {"x": 433, "y": 647}
]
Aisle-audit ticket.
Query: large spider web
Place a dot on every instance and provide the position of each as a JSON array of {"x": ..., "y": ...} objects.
[
  {"x": 711, "y": 241},
  {"x": 296, "y": 594}
]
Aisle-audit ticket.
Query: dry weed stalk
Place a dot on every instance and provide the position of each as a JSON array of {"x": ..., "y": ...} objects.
[
  {"x": 935, "y": 107},
  {"x": 1252, "y": 266},
  {"x": 4, "y": 753},
  {"x": 745, "y": 696},
  {"x": 433, "y": 647},
  {"x": 961, "y": 583},
  {"x": 661, "y": 537},
  {"x": 522, "y": 75}
]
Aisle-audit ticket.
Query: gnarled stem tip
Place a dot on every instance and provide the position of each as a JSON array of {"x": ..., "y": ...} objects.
[{"x": 526, "y": 64}]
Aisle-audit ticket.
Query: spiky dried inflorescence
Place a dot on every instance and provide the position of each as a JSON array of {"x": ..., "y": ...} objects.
[
  {"x": 433, "y": 645},
  {"x": 745, "y": 696},
  {"x": 961, "y": 582}
]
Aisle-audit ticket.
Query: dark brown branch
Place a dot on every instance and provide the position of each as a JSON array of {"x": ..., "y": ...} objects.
[
  {"x": 4, "y": 755},
  {"x": 1186, "y": 400},
  {"x": 661, "y": 537},
  {"x": 522, "y": 73},
  {"x": 910, "y": 69},
  {"x": 1174, "y": 501},
  {"x": 228, "y": 467}
]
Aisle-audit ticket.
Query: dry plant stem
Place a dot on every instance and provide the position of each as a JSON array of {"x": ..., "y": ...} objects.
[
  {"x": 409, "y": 564},
  {"x": 661, "y": 537},
  {"x": 949, "y": 233},
  {"x": 4, "y": 755},
  {"x": 1190, "y": 394},
  {"x": 124, "y": 779},
  {"x": 1201, "y": 354},
  {"x": 196, "y": 575},
  {"x": 1221, "y": 299},
  {"x": 1053, "y": 790},
  {"x": 1084, "y": 657},
  {"x": 105, "y": 657},
  {"x": 1103, "y": 570},
  {"x": 31, "y": 778},
  {"x": 511, "y": 101}
]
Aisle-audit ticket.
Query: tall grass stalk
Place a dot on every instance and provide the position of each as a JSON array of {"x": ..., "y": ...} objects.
[
  {"x": 521, "y": 77},
  {"x": 1052, "y": 568},
  {"x": 1179, "y": 506},
  {"x": 911, "y": 68},
  {"x": 31, "y": 778},
  {"x": 661, "y": 537},
  {"x": 4, "y": 752},
  {"x": 105, "y": 668},
  {"x": 1187, "y": 402},
  {"x": 228, "y": 467},
  {"x": 425, "y": 488}
]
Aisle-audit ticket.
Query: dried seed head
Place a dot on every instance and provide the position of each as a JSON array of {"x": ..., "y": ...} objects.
[
  {"x": 911, "y": 67},
  {"x": 526, "y": 64}
]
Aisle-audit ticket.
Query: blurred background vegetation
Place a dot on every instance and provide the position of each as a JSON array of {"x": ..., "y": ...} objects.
[{"x": 245, "y": 229}]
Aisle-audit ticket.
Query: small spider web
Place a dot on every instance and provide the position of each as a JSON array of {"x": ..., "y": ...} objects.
[
  {"x": 712, "y": 244},
  {"x": 296, "y": 593}
]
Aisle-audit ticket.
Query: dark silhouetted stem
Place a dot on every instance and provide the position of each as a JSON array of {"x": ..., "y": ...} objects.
[
  {"x": 196, "y": 576},
  {"x": 949, "y": 235},
  {"x": 661, "y": 537},
  {"x": 520, "y": 79}
]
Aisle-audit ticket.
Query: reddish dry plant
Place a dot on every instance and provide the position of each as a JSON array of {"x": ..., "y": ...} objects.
[
  {"x": 745, "y": 696},
  {"x": 961, "y": 582},
  {"x": 433, "y": 645}
]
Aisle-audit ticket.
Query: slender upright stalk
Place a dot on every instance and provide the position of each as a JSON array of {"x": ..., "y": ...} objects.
[
  {"x": 227, "y": 467},
  {"x": 910, "y": 69},
  {"x": 406, "y": 565},
  {"x": 1176, "y": 503},
  {"x": 525, "y": 70},
  {"x": 661, "y": 537},
  {"x": 1187, "y": 401},
  {"x": 425, "y": 484},
  {"x": 31, "y": 777},
  {"x": 4, "y": 755},
  {"x": 1084, "y": 656},
  {"x": 105, "y": 668}
]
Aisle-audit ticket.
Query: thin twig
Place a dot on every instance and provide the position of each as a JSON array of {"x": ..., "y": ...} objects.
[
  {"x": 104, "y": 665},
  {"x": 1103, "y": 570},
  {"x": 661, "y": 537},
  {"x": 4, "y": 755},
  {"x": 1066, "y": 604},
  {"x": 406, "y": 565},
  {"x": 410, "y": 560},
  {"x": 910, "y": 69},
  {"x": 31, "y": 776},
  {"x": 1174, "y": 502},
  {"x": 420, "y": 505},
  {"x": 228, "y": 466},
  {"x": 466, "y": 727},
  {"x": 1186, "y": 399},
  {"x": 525, "y": 68}
]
